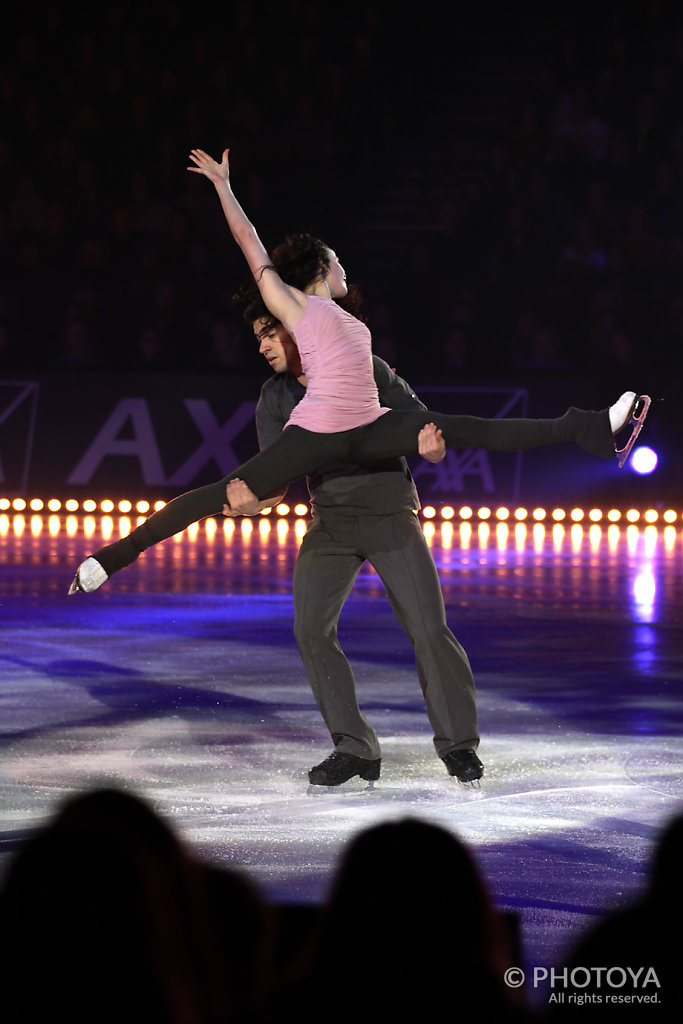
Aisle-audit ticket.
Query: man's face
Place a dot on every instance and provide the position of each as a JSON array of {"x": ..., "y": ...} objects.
[{"x": 277, "y": 346}]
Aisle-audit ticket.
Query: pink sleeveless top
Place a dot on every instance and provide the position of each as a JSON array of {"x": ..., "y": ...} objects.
[{"x": 336, "y": 356}]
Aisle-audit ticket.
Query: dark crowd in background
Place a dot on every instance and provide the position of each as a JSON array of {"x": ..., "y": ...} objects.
[{"x": 505, "y": 187}]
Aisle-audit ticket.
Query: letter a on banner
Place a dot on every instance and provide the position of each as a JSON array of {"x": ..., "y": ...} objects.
[{"x": 143, "y": 444}]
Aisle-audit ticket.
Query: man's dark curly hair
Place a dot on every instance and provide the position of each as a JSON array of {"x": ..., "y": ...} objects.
[
  {"x": 299, "y": 259},
  {"x": 256, "y": 310}
]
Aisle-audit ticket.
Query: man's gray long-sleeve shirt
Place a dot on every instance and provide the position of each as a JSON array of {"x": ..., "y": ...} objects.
[{"x": 380, "y": 488}]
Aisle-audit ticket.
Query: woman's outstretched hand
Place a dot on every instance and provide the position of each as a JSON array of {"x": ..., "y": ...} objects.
[
  {"x": 283, "y": 301},
  {"x": 216, "y": 172}
]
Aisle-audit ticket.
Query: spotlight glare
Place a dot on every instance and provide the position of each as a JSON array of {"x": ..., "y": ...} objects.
[
  {"x": 428, "y": 512},
  {"x": 669, "y": 516},
  {"x": 644, "y": 460},
  {"x": 282, "y": 509}
]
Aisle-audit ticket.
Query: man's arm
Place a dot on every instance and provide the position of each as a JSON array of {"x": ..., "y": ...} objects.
[
  {"x": 270, "y": 422},
  {"x": 430, "y": 444},
  {"x": 243, "y": 501},
  {"x": 396, "y": 393}
]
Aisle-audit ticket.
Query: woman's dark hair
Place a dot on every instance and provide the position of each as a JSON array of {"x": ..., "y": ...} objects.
[{"x": 299, "y": 259}]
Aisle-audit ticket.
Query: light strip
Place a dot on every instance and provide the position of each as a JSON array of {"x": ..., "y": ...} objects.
[{"x": 448, "y": 512}]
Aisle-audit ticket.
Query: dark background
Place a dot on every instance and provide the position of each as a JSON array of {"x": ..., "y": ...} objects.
[{"x": 503, "y": 184}]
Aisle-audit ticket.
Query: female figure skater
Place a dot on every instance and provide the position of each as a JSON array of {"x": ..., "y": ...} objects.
[{"x": 340, "y": 418}]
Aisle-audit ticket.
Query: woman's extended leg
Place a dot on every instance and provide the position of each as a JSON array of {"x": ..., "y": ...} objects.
[
  {"x": 294, "y": 454},
  {"x": 298, "y": 452},
  {"x": 396, "y": 432}
]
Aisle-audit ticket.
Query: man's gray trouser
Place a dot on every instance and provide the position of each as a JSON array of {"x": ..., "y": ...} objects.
[{"x": 330, "y": 558}]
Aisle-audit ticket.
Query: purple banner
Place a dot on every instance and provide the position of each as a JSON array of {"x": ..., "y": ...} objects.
[{"x": 137, "y": 436}]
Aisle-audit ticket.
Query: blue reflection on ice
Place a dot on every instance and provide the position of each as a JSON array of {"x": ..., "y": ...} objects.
[{"x": 644, "y": 593}]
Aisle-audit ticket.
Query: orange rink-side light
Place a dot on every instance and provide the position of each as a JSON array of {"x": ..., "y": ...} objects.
[{"x": 447, "y": 512}]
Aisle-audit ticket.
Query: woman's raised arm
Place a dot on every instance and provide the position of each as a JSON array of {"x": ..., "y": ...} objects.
[{"x": 283, "y": 301}]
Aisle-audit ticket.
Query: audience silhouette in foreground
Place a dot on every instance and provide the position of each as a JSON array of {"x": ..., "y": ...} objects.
[{"x": 106, "y": 916}]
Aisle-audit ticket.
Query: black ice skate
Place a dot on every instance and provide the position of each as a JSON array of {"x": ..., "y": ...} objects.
[
  {"x": 340, "y": 767},
  {"x": 466, "y": 767}
]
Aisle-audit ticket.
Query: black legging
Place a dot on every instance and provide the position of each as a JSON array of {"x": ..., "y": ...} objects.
[{"x": 298, "y": 452}]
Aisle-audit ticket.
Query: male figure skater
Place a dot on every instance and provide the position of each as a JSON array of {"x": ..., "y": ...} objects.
[{"x": 365, "y": 513}]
